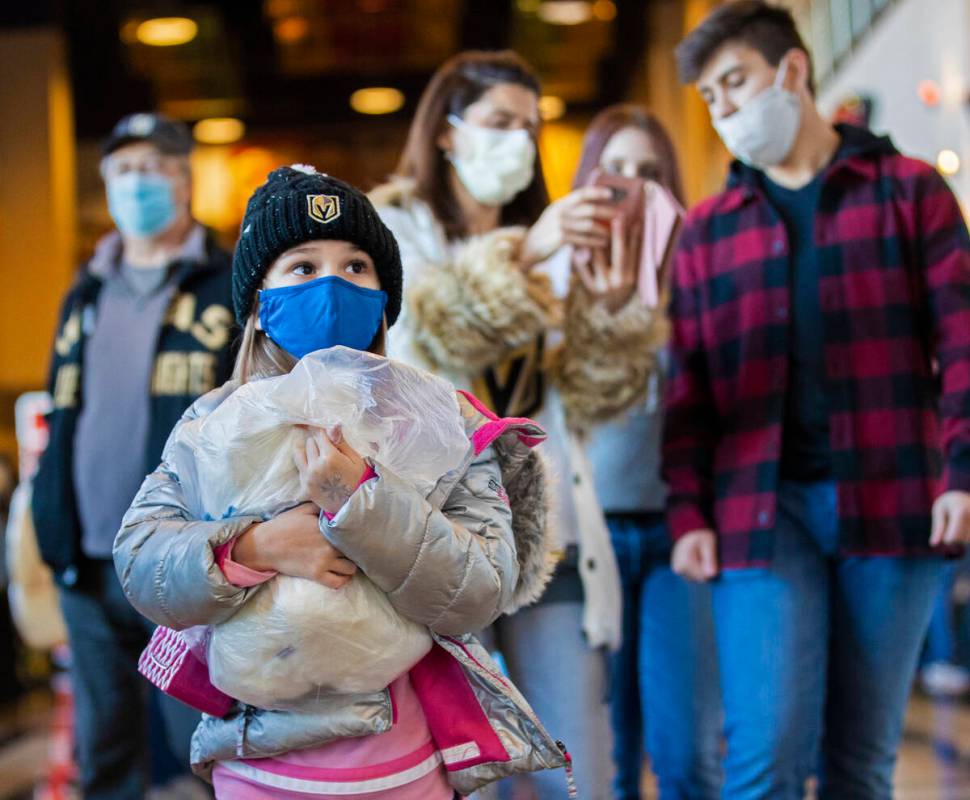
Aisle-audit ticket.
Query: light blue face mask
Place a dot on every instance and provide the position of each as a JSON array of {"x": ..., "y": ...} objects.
[
  {"x": 141, "y": 204},
  {"x": 322, "y": 313}
]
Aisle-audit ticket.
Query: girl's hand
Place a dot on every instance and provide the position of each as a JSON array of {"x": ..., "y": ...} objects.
[
  {"x": 329, "y": 470},
  {"x": 291, "y": 544},
  {"x": 610, "y": 276},
  {"x": 581, "y": 218}
]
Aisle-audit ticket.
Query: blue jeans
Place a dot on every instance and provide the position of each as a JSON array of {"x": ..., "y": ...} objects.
[
  {"x": 665, "y": 686},
  {"x": 941, "y": 642},
  {"x": 566, "y": 684},
  {"x": 817, "y": 653}
]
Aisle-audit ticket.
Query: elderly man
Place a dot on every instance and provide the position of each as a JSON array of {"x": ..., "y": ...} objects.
[{"x": 145, "y": 330}]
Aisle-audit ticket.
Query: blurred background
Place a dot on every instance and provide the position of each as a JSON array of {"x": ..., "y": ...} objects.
[{"x": 334, "y": 83}]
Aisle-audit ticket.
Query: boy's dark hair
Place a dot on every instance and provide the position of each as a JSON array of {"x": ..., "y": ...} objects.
[{"x": 768, "y": 29}]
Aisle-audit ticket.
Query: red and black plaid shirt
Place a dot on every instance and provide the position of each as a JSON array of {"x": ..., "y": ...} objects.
[{"x": 894, "y": 288}]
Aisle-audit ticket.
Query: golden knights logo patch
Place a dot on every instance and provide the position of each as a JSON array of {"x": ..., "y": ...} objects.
[{"x": 323, "y": 207}]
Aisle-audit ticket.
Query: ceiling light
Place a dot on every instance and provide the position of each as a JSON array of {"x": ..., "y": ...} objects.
[
  {"x": 129, "y": 32},
  {"x": 566, "y": 12},
  {"x": 166, "y": 31},
  {"x": 219, "y": 130},
  {"x": 948, "y": 162},
  {"x": 551, "y": 107},
  {"x": 604, "y": 10},
  {"x": 291, "y": 29},
  {"x": 376, "y": 100},
  {"x": 929, "y": 92}
]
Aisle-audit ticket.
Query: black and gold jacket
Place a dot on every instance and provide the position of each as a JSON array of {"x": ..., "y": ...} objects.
[{"x": 193, "y": 355}]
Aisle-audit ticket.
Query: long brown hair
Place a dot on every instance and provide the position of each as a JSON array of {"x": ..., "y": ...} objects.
[
  {"x": 457, "y": 84},
  {"x": 260, "y": 357},
  {"x": 626, "y": 115}
]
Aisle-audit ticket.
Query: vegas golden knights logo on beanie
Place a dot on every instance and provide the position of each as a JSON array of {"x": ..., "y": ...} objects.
[
  {"x": 323, "y": 207},
  {"x": 298, "y": 204}
]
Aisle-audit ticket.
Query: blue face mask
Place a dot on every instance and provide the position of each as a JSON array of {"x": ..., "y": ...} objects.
[
  {"x": 141, "y": 204},
  {"x": 322, "y": 313}
]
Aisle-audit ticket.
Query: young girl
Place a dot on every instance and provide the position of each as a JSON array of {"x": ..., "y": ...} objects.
[
  {"x": 314, "y": 268},
  {"x": 470, "y": 211}
]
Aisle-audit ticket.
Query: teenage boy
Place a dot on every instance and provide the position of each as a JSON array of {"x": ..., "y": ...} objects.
[{"x": 817, "y": 442}]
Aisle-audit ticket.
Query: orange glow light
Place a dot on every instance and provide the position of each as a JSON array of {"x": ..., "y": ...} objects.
[
  {"x": 551, "y": 107},
  {"x": 566, "y": 12},
  {"x": 166, "y": 31},
  {"x": 604, "y": 10},
  {"x": 929, "y": 92},
  {"x": 376, "y": 100},
  {"x": 219, "y": 130},
  {"x": 291, "y": 29}
]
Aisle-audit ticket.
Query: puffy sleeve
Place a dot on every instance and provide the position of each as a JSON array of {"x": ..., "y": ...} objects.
[{"x": 166, "y": 560}]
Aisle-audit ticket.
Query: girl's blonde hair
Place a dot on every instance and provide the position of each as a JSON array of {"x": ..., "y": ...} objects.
[{"x": 260, "y": 357}]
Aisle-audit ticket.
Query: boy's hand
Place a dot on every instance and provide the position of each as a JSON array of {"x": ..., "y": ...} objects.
[
  {"x": 951, "y": 519},
  {"x": 329, "y": 470},
  {"x": 695, "y": 556}
]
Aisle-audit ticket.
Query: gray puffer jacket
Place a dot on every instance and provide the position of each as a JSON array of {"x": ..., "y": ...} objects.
[{"x": 476, "y": 547}]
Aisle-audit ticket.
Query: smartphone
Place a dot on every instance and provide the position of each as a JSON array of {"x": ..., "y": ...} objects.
[{"x": 627, "y": 194}]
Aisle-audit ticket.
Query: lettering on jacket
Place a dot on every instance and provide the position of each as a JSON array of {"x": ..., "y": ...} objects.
[{"x": 174, "y": 373}]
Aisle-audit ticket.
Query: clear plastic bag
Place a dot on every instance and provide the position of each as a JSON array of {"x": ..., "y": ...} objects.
[
  {"x": 294, "y": 637},
  {"x": 297, "y": 638},
  {"x": 238, "y": 459}
]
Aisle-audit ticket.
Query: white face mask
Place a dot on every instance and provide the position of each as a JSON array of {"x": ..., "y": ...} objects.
[
  {"x": 762, "y": 132},
  {"x": 495, "y": 165}
]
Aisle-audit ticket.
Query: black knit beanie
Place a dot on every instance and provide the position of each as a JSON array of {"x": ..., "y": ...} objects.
[{"x": 295, "y": 205}]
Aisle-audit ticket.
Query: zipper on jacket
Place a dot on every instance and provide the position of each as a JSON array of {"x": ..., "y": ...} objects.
[{"x": 571, "y": 791}]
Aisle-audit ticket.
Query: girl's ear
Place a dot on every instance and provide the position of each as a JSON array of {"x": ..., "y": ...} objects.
[{"x": 446, "y": 138}]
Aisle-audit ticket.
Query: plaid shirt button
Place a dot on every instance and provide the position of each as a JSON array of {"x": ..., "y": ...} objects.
[
  {"x": 778, "y": 246},
  {"x": 782, "y": 312},
  {"x": 762, "y": 517}
]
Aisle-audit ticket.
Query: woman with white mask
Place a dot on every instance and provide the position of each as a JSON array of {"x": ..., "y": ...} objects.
[{"x": 470, "y": 211}]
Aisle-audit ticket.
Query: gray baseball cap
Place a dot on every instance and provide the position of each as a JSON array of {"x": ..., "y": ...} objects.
[{"x": 167, "y": 134}]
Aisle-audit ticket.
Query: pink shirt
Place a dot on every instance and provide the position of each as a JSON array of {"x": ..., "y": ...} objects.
[{"x": 401, "y": 763}]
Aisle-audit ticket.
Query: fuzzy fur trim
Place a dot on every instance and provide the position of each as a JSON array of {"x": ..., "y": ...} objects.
[
  {"x": 527, "y": 481},
  {"x": 397, "y": 191},
  {"x": 473, "y": 310},
  {"x": 606, "y": 360},
  {"x": 531, "y": 497}
]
